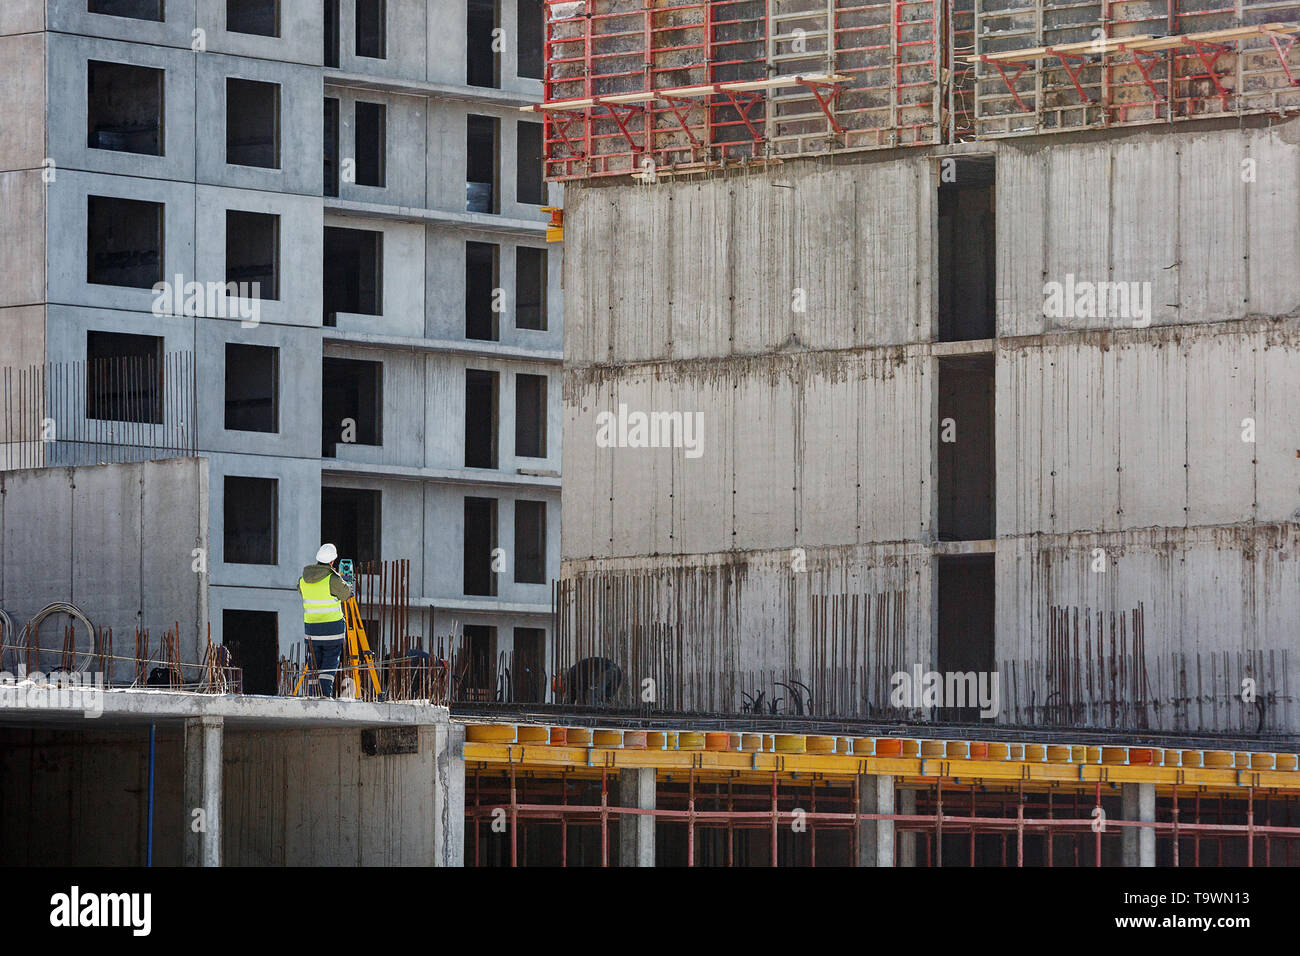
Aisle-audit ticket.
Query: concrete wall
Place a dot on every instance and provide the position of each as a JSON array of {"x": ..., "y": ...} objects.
[
  {"x": 290, "y": 797},
  {"x": 116, "y": 541},
  {"x": 711, "y": 268},
  {"x": 820, "y": 426}
]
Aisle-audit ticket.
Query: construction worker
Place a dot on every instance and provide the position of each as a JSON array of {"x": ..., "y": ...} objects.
[{"x": 323, "y": 593}]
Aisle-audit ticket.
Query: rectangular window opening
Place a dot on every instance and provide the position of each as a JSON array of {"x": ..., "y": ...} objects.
[
  {"x": 252, "y": 123},
  {"x": 371, "y": 143},
  {"x": 967, "y": 252},
  {"x": 253, "y": 639},
  {"x": 372, "y": 29},
  {"x": 482, "y": 275},
  {"x": 529, "y": 186},
  {"x": 530, "y": 416},
  {"x": 481, "y": 141},
  {"x": 352, "y": 403},
  {"x": 124, "y": 108},
  {"x": 480, "y": 542},
  {"x": 482, "y": 62},
  {"x": 531, "y": 44},
  {"x": 132, "y": 9},
  {"x": 333, "y": 33},
  {"x": 350, "y": 518},
  {"x": 965, "y": 625},
  {"x": 124, "y": 377},
  {"x": 331, "y": 146},
  {"x": 530, "y": 542},
  {"x": 476, "y": 661},
  {"x": 253, "y": 253},
  {"x": 124, "y": 242},
  {"x": 480, "y": 419},
  {"x": 250, "y": 521},
  {"x": 530, "y": 288},
  {"x": 257, "y": 17},
  {"x": 528, "y": 665},
  {"x": 354, "y": 268},
  {"x": 966, "y": 448},
  {"x": 252, "y": 388}
]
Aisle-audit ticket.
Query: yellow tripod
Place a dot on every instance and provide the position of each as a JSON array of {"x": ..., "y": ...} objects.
[{"x": 356, "y": 650}]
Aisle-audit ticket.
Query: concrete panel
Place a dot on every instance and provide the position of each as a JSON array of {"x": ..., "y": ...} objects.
[
  {"x": 1216, "y": 593},
  {"x": 287, "y": 606},
  {"x": 1213, "y": 255},
  {"x": 732, "y": 623},
  {"x": 444, "y": 523},
  {"x": 405, "y": 416},
  {"x": 836, "y": 446},
  {"x": 1145, "y": 428},
  {"x": 445, "y": 41},
  {"x": 22, "y": 16},
  {"x": 408, "y": 24},
  {"x": 23, "y": 97},
  {"x": 23, "y": 254},
  {"x": 68, "y": 85},
  {"x": 300, "y": 40},
  {"x": 299, "y": 398},
  {"x": 298, "y": 520},
  {"x": 301, "y": 250},
  {"x": 22, "y": 336},
  {"x": 404, "y": 147},
  {"x": 445, "y": 261},
  {"x": 107, "y": 539},
  {"x": 301, "y": 132},
  {"x": 403, "y": 293},
  {"x": 70, "y": 16},
  {"x": 68, "y": 237},
  {"x": 838, "y": 268}
]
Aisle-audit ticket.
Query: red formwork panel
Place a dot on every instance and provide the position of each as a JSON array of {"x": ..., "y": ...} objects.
[
  {"x": 887, "y": 53},
  {"x": 1197, "y": 79}
]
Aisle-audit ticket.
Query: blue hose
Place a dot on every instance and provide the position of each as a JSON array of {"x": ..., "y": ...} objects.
[{"x": 149, "y": 850}]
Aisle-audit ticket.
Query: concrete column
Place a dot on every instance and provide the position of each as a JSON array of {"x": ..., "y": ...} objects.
[
  {"x": 449, "y": 795},
  {"x": 907, "y": 840},
  {"x": 1138, "y": 802},
  {"x": 636, "y": 832},
  {"x": 203, "y": 754},
  {"x": 875, "y": 837}
]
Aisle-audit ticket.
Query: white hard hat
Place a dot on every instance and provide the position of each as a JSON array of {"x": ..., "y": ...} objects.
[{"x": 327, "y": 554}]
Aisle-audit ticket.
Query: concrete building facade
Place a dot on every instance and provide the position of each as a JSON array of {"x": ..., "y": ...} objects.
[
  {"x": 1010, "y": 399},
  {"x": 361, "y": 161}
]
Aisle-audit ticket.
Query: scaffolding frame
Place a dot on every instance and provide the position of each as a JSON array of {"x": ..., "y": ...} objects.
[
  {"x": 668, "y": 87},
  {"x": 665, "y": 87},
  {"x": 1069, "y": 821},
  {"x": 1103, "y": 63}
]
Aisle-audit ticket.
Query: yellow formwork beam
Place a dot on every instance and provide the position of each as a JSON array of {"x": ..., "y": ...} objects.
[{"x": 744, "y": 754}]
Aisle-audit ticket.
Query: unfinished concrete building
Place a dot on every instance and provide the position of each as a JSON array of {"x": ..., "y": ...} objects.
[
  {"x": 302, "y": 240},
  {"x": 912, "y": 336},
  {"x": 301, "y": 245}
]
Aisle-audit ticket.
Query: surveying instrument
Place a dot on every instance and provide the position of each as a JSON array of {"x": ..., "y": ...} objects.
[{"x": 357, "y": 655}]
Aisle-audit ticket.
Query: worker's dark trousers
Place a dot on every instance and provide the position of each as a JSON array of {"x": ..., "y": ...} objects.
[{"x": 325, "y": 653}]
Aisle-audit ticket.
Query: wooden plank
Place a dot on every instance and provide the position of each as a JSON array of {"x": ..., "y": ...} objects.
[
  {"x": 1141, "y": 42},
  {"x": 736, "y": 86}
]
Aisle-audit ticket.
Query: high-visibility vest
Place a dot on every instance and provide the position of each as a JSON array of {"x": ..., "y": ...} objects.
[{"x": 319, "y": 606}]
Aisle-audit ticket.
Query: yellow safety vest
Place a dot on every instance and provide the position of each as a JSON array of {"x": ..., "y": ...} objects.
[{"x": 319, "y": 606}]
